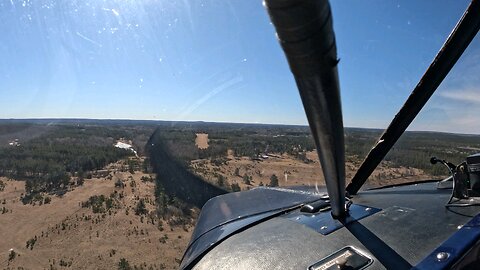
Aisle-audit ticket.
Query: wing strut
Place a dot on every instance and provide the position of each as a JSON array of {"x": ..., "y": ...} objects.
[
  {"x": 305, "y": 32},
  {"x": 457, "y": 42}
]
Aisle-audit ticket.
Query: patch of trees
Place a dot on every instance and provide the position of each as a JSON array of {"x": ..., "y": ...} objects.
[
  {"x": 147, "y": 179},
  {"x": 39, "y": 159},
  {"x": 175, "y": 211},
  {"x": 133, "y": 165},
  {"x": 31, "y": 242},
  {"x": 100, "y": 203},
  {"x": 35, "y": 198},
  {"x": 65, "y": 263},
  {"x": 252, "y": 145},
  {"x": 302, "y": 156}
]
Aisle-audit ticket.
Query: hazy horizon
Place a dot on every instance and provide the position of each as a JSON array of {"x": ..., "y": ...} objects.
[{"x": 213, "y": 122}]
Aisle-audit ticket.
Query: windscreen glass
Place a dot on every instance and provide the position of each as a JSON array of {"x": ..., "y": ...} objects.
[{"x": 119, "y": 119}]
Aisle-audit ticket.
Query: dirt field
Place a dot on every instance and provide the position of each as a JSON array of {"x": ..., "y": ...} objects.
[
  {"x": 201, "y": 141},
  {"x": 293, "y": 172},
  {"x": 68, "y": 235}
]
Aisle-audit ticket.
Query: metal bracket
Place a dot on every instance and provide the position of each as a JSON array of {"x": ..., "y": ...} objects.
[{"x": 324, "y": 223}]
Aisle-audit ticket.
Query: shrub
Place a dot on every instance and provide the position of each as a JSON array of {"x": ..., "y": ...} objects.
[
  {"x": 140, "y": 209},
  {"x": 235, "y": 187},
  {"x": 47, "y": 200},
  {"x": 123, "y": 264},
  {"x": 273, "y": 181}
]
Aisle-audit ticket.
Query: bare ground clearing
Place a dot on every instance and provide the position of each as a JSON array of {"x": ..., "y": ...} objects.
[
  {"x": 293, "y": 172},
  {"x": 201, "y": 141}
]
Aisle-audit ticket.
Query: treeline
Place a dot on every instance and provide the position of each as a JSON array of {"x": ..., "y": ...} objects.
[
  {"x": 254, "y": 140},
  {"x": 414, "y": 149}
]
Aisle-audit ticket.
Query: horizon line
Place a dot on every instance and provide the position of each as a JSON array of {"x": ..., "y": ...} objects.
[{"x": 203, "y": 121}]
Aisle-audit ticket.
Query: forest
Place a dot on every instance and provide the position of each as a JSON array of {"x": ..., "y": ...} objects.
[
  {"x": 47, "y": 162},
  {"x": 415, "y": 148},
  {"x": 46, "y": 153}
]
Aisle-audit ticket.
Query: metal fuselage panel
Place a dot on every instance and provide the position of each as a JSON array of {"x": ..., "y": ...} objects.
[{"x": 412, "y": 223}]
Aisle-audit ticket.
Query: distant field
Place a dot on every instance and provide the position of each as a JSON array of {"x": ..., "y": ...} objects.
[{"x": 53, "y": 173}]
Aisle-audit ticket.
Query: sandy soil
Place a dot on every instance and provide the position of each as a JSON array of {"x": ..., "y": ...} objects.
[
  {"x": 201, "y": 141},
  {"x": 71, "y": 235},
  {"x": 293, "y": 172}
]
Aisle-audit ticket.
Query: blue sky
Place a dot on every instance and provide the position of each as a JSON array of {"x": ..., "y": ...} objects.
[{"x": 216, "y": 60}]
